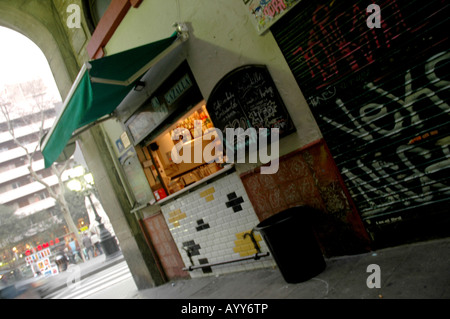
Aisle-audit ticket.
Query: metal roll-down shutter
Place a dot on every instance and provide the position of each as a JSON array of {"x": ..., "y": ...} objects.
[{"x": 380, "y": 97}]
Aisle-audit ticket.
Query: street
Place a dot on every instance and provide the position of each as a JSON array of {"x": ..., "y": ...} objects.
[{"x": 114, "y": 282}]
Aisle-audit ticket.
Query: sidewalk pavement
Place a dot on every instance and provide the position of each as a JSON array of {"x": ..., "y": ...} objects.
[{"x": 413, "y": 271}]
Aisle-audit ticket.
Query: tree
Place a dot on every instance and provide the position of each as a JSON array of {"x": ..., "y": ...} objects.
[
  {"x": 16, "y": 230},
  {"x": 39, "y": 102},
  {"x": 10, "y": 226}
]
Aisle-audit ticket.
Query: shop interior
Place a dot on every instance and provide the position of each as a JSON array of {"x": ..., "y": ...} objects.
[{"x": 164, "y": 175}]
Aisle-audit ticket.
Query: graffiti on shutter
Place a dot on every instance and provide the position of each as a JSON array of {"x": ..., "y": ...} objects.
[{"x": 380, "y": 96}]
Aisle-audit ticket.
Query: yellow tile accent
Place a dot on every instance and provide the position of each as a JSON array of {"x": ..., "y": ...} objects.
[
  {"x": 207, "y": 192},
  {"x": 175, "y": 216},
  {"x": 241, "y": 236},
  {"x": 175, "y": 213},
  {"x": 239, "y": 242},
  {"x": 244, "y": 246},
  {"x": 209, "y": 198}
]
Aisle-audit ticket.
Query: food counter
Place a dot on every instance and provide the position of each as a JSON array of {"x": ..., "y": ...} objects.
[{"x": 168, "y": 176}]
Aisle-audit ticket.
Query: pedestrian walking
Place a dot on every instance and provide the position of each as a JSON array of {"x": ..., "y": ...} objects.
[
  {"x": 87, "y": 243},
  {"x": 75, "y": 250},
  {"x": 96, "y": 242}
]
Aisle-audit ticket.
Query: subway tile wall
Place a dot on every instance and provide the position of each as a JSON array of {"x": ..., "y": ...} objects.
[{"x": 208, "y": 226}]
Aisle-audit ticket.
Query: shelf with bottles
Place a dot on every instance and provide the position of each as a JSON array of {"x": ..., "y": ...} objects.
[{"x": 196, "y": 124}]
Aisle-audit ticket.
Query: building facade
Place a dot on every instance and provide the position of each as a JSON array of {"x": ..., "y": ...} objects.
[
  {"x": 18, "y": 189},
  {"x": 315, "y": 71},
  {"x": 204, "y": 220}
]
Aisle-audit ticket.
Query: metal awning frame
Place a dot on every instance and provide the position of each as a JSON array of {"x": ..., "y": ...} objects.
[{"x": 183, "y": 35}]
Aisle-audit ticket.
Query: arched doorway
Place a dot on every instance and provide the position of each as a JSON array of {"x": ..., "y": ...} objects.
[{"x": 40, "y": 26}]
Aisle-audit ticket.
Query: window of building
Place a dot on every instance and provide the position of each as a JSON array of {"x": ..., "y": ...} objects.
[
  {"x": 6, "y": 167},
  {"x": 23, "y": 202},
  {"x": 16, "y": 185},
  {"x": 42, "y": 195},
  {"x": 19, "y": 162}
]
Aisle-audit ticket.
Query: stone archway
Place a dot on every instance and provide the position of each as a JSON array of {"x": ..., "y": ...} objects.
[
  {"x": 37, "y": 21},
  {"x": 44, "y": 23}
]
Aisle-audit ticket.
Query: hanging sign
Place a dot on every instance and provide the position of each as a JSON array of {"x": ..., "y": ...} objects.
[
  {"x": 264, "y": 13},
  {"x": 178, "y": 89}
]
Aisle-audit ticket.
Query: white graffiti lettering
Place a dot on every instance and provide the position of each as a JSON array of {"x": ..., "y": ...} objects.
[{"x": 413, "y": 170}]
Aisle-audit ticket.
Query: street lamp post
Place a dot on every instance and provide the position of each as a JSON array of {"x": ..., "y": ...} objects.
[{"x": 83, "y": 183}]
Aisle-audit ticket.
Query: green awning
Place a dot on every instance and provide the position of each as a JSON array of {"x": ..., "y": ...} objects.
[{"x": 98, "y": 90}]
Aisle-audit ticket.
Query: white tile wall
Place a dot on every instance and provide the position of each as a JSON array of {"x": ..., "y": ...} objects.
[{"x": 218, "y": 241}]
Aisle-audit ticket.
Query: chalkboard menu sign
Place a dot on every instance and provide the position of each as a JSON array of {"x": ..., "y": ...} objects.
[{"x": 247, "y": 98}]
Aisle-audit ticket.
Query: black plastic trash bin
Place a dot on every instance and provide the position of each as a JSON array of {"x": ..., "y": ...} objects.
[{"x": 292, "y": 243}]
